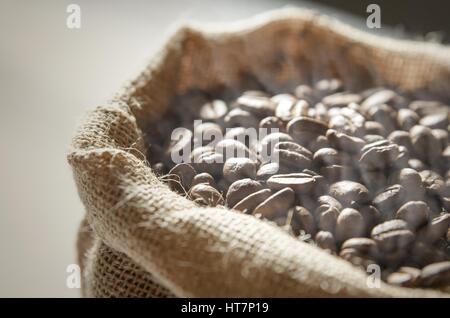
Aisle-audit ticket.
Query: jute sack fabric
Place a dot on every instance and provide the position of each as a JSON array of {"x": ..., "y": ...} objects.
[{"x": 142, "y": 240}]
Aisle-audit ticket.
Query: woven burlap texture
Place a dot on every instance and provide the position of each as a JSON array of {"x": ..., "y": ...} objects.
[{"x": 142, "y": 240}]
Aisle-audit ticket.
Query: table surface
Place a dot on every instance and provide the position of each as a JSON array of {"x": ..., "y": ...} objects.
[{"x": 49, "y": 76}]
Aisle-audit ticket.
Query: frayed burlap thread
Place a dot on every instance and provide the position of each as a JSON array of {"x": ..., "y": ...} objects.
[{"x": 147, "y": 241}]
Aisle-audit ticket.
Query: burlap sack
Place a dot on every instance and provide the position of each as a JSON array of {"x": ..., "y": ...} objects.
[{"x": 141, "y": 239}]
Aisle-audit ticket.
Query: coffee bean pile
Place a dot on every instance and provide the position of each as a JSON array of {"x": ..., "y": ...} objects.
[{"x": 364, "y": 176}]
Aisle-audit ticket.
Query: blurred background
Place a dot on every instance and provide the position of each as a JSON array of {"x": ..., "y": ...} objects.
[{"x": 50, "y": 75}]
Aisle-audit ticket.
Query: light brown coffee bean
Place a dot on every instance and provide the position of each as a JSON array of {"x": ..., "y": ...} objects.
[
  {"x": 250, "y": 202},
  {"x": 305, "y": 92},
  {"x": 381, "y": 97},
  {"x": 350, "y": 223},
  {"x": 414, "y": 213},
  {"x": 180, "y": 177},
  {"x": 243, "y": 135},
  {"x": 349, "y": 192},
  {"x": 206, "y": 195},
  {"x": 401, "y": 138},
  {"x": 239, "y": 168},
  {"x": 335, "y": 173},
  {"x": 326, "y": 241},
  {"x": 240, "y": 189},
  {"x": 277, "y": 204},
  {"x": 317, "y": 143},
  {"x": 371, "y": 216},
  {"x": 442, "y": 136},
  {"x": 401, "y": 279},
  {"x": 385, "y": 115},
  {"x": 392, "y": 235},
  {"x": 299, "y": 182},
  {"x": 209, "y": 162}
]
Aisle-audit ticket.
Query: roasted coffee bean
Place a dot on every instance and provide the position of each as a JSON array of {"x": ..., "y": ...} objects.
[
  {"x": 305, "y": 92},
  {"x": 350, "y": 223},
  {"x": 437, "y": 229},
  {"x": 180, "y": 177},
  {"x": 204, "y": 194},
  {"x": 272, "y": 124},
  {"x": 300, "y": 125},
  {"x": 327, "y": 218},
  {"x": 268, "y": 142},
  {"x": 209, "y": 162},
  {"x": 335, "y": 173},
  {"x": 258, "y": 105},
  {"x": 299, "y": 182},
  {"x": 250, "y": 202},
  {"x": 203, "y": 178},
  {"x": 291, "y": 108},
  {"x": 349, "y": 192},
  {"x": 330, "y": 201},
  {"x": 389, "y": 200},
  {"x": 341, "y": 99},
  {"x": 401, "y": 279},
  {"x": 267, "y": 170},
  {"x": 385, "y": 115},
  {"x": 407, "y": 118},
  {"x": 371, "y": 216},
  {"x": 344, "y": 142},
  {"x": 401, "y": 138},
  {"x": 240, "y": 189},
  {"x": 435, "y": 121},
  {"x": 158, "y": 168},
  {"x": 437, "y": 274},
  {"x": 293, "y": 155},
  {"x": 328, "y": 157},
  {"x": 374, "y": 128},
  {"x": 422, "y": 254},
  {"x": 240, "y": 118},
  {"x": 392, "y": 235},
  {"x": 306, "y": 220},
  {"x": 381, "y": 97},
  {"x": 381, "y": 157},
  {"x": 277, "y": 204},
  {"x": 239, "y": 168},
  {"x": 213, "y": 110},
  {"x": 363, "y": 245},
  {"x": 426, "y": 146},
  {"x": 414, "y": 213},
  {"x": 320, "y": 142},
  {"x": 442, "y": 136},
  {"x": 326, "y": 241}
]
